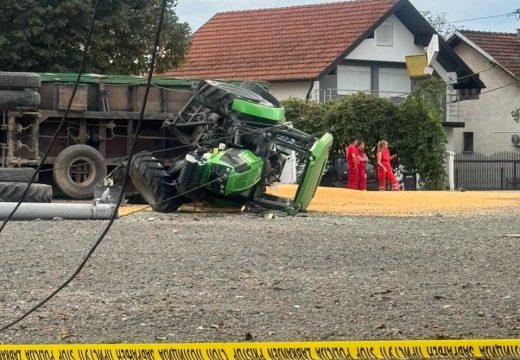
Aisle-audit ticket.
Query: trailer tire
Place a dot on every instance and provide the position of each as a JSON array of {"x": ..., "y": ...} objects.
[
  {"x": 78, "y": 169},
  {"x": 19, "y": 98},
  {"x": 19, "y": 80},
  {"x": 153, "y": 183},
  {"x": 218, "y": 97},
  {"x": 13, "y": 191},
  {"x": 23, "y": 174}
]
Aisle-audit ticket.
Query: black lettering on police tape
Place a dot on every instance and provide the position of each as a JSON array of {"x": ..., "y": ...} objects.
[
  {"x": 135, "y": 354},
  {"x": 66, "y": 355},
  {"x": 500, "y": 350},
  {"x": 217, "y": 354},
  {"x": 333, "y": 353},
  {"x": 451, "y": 351},
  {"x": 365, "y": 352},
  {"x": 95, "y": 354},
  {"x": 248, "y": 354},
  {"x": 181, "y": 354},
  {"x": 10, "y": 355},
  {"x": 289, "y": 353},
  {"x": 402, "y": 352},
  {"x": 39, "y": 355}
]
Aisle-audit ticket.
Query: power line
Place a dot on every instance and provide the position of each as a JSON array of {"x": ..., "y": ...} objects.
[
  {"x": 454, "y": 81},
  {"x": 125, "y": 158},
  {"x": 149, "y": 206},
  {"x": 516, "y": 12},
  {"x": 451, "y": 82},
  {"x": 122, "y": 195},
  {"x": 500, "y": 87},
  {"x": 491, "y": 90},
  {"x": 63, "y": 119}
]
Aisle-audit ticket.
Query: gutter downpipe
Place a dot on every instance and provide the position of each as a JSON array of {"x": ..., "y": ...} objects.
[{"x": 307, "y": 97}]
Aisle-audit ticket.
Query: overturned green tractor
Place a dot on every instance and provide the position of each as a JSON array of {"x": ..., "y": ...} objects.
[{"x": 236, "y": 149}]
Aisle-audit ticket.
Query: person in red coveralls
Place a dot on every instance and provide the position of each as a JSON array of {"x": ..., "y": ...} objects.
[
  {"x": 384, "y": 168},
  {"x": 362, "y": 166},
  {"x": 352, "y": 164}
]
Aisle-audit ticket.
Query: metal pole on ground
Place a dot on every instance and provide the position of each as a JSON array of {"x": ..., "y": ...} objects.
[{"x": 66, "y": 211}]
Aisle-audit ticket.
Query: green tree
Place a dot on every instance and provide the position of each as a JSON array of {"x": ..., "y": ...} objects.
[
  {"x": 367, "y": 117},
  {"x": 49, "y": 36},
  {"x": 413, "y": 129},
  {"x": 439, "y": 22},
  {"x": 421, "y": 139},
  {"x": 308, "y": 116}
]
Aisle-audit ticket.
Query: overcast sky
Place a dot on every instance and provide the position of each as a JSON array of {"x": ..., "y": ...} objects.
[{"x": 197, "y": 12}]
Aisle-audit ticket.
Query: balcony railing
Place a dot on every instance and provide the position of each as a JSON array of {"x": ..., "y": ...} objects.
[{"x": 330, "y": 94}]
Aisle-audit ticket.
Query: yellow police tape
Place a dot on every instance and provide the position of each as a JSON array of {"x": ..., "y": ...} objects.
[{"x": 406, "y": 349}]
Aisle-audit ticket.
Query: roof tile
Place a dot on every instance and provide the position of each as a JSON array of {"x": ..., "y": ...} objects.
[
  {"x": 504, "y": 47},
  {"x": 295, "y": 42}
]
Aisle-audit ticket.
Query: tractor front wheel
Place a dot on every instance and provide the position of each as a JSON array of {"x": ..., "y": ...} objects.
[{"x": 154, "y": 183}]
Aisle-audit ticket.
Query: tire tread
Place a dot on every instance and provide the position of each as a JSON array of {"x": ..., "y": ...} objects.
[
  {"x": 19, "y": 80},
  {"x": 13, "y": 191},
  {"x": 152, "y": 181}
]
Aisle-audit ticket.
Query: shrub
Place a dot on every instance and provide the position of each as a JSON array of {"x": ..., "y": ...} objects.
[{"x": 413, "y": 129}]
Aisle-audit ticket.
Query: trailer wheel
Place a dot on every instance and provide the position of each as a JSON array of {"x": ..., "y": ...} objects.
[
  {"x": 16, "y": 80},
  {"x": 153, "y": 183},
  {"x": 19, "y": 98},
  {"x": 23, "y": 174},
  {"x": 13, "y": 191},
  {"x": 78, "y": 169}
]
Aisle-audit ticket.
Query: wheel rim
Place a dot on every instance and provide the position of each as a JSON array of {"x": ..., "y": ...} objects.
[{"x": 81, "y": 172}]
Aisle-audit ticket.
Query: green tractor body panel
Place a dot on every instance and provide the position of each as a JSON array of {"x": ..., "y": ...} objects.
[
  {"x": 237, "y": 144},
  {"x": 270, "y": 114},
  {"x": 241, "y": 171},
  {"x": 313, "y": 171}
]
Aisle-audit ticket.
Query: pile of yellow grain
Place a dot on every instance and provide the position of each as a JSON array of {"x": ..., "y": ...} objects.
[
  {"x": 407, "y": 203},
  {"x": 387, "y": 203}
]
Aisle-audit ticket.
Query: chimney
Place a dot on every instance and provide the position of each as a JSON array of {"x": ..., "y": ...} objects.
[{"x": 518, "y": 33}]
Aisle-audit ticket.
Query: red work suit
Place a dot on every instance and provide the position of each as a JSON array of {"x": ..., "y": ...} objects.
[
  {"x": 362, "y": 170},
  {"x": 352, "y": 168},
  {"x": 386, "y": 173}
]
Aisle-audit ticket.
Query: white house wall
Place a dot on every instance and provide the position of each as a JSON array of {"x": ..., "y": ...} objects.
[
  {"x": 368, "y": 51},
  {"x": 492, "y": 111},
  {"x": 403, "y": 45},
  {"x": 287, "y": 89}
]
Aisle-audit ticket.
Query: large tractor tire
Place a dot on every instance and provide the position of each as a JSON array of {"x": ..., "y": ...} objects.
[
  {"x": 17, "y": 174},
  {"x": 78, "y": 169},
  {"x": 13, "y": 191},
  {"x": 19, "y": 80},
  {"x": 19, "y": 98},
  {"x": 218, "y": 96},
  {"x": 153, "y": 183},
  {"x": 257, "y": 89}
]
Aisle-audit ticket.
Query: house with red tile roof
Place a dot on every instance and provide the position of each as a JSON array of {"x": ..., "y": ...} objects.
[
  {"x": 319, "y": 51},
  {"x": 490, "y": 132},
  {"x": 488, "y": 148}
]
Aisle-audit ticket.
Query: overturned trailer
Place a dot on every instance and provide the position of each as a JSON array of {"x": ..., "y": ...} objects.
[
  {"x": 209, "y": 141},
  {"x": 99, "y": 129}
]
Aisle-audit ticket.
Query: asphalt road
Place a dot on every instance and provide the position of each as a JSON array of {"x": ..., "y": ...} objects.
[{"x": 210, "y": 277}]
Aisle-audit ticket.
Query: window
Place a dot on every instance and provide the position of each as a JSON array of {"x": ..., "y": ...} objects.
[
  {"x": 352, "y": 79},
  {"x": 385, "y": 34},
  {"x": 394, "y": 82},
  {"x": 467, "y": 144}
]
